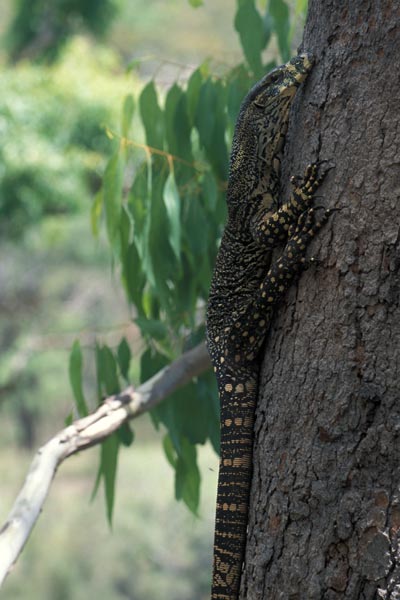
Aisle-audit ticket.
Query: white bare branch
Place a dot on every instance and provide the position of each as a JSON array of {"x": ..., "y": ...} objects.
[{"x": 82, "y": 434}]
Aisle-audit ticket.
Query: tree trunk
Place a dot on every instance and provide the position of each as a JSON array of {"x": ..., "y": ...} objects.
[{"x": 325, "y": 504}]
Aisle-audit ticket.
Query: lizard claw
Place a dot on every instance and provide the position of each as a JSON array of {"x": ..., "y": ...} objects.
[{"x": 307, "y": 263}]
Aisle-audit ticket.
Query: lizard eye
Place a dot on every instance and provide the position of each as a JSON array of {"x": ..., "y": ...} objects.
[{"x": 275, "y": 77}]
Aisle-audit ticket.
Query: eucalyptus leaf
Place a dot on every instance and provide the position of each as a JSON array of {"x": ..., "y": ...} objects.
[
  {"x": 110, "y": 374},
  {"x": 187, "y": 476},
  {"x": 169, "y": 451},
  {"x": 173, "y": 205},
  {"x": 152, "y": 116},
  {"x": 112, "y": 193},
  {"x": 75, "y": 377},
  {"x": 127, "y": 114},
  {"x": 151, "y": 327},
  {"x": 249, "y": 25},
  {"x": 108, "y": 461},
  {"x": 279, "y": 11},
  {"x": 124, "y": 356},
  {"x": 192, "y": 93},
  {"x": 125, "y": 434},
  {"x": 95, "y": 212}
]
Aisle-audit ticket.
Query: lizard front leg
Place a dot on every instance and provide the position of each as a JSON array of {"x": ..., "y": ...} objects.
[
  {"x": 271, "y": 228},
  {"x": 253, "y": 321}
]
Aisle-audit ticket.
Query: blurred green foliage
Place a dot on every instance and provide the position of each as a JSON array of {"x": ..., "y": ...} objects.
[
  {"x": 54, "y": 148},
  {"x": 41, "y": 28},
  {"x": 54, "y": 143}
]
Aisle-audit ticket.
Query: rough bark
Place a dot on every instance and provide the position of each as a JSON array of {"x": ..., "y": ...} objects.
[{"x": 325, "y": 506}]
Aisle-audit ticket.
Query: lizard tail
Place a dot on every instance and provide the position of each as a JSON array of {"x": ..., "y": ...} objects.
[{"x": 238, "y": 401}]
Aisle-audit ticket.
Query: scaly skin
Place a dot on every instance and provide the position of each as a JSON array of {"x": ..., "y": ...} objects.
[{"x": 245, "y": 289}]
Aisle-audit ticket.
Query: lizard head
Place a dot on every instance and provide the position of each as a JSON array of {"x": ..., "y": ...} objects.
[
  {"x": 280, "y": 83},
  {"x": 260, "y": 131}
]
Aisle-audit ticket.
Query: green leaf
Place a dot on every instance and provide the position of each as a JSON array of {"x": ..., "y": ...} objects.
[
  {"x": 195, "y": 227},
  {"x": 108, "y": 461},
  {"x": 207, "y": 396},
  {"x": 109, "y": 371},
  {"x": 178, "y": 130},
  {"x": 196, "y": 3},
  {"x": 125, "y": 434},
  {"x": 75, "y": 377},
  {"x": 112, "y": 193},
  {"x": 186, "y": 291},
  {"x": 173, "y": 205},
  {"x": 124, "y": 358},
  {"x": 151, "y": 362},
  {"x": 140, "y": 204},
  {"x": 151, "y": 327},
  {"x": 210, "y": 191},
  {"x": 206, "y": 115},
  {"x": 174, "y": 95},
  {"x": 183, "y": 131},
  {"x": 125, "y": 230},
  {"x": 211, "y": 123},
  {"x": 218, "y": 153},
  {"x": 191, "y": 417},
  {"x": 134, "y": 277},
  {"x": 152, "y": 116},
  {"x": 279, "y": 11},
  {"x": 165, "y": 265},
  {"x": 169, "y": 451},
  {"x": 128, "y": 109},
  {"x": 268, "y": 24},
  {"x": 249, "y": 25},
  {"x": 238, "y": 86},
  {"x": 97, "y": 481},
  {"x": 192, "y": 93},
  {"x": 187, "y": 476},
  {"x": 95, "y": 212},
  {"x": 132, "y": 272},
  {"x": 99, "y": 378}
]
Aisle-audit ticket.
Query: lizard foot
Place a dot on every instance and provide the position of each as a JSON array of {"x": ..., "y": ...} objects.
[
  {"x": 307, "y": 263},
  {"x": 307, "y": 226},
  {"x": 304, "y": 187}
]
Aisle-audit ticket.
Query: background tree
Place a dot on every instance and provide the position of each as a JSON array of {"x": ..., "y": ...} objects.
[{"x": 325, "y": 500}]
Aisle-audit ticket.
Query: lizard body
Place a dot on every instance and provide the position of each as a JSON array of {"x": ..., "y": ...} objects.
[{"x": 246, "y": 287}]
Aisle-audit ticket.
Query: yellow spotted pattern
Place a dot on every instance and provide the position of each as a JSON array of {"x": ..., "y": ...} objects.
[{"x": 246, "y": 288}]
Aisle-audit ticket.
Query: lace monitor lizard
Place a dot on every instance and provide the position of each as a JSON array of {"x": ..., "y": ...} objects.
[{"x": 246, "y": 286}]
